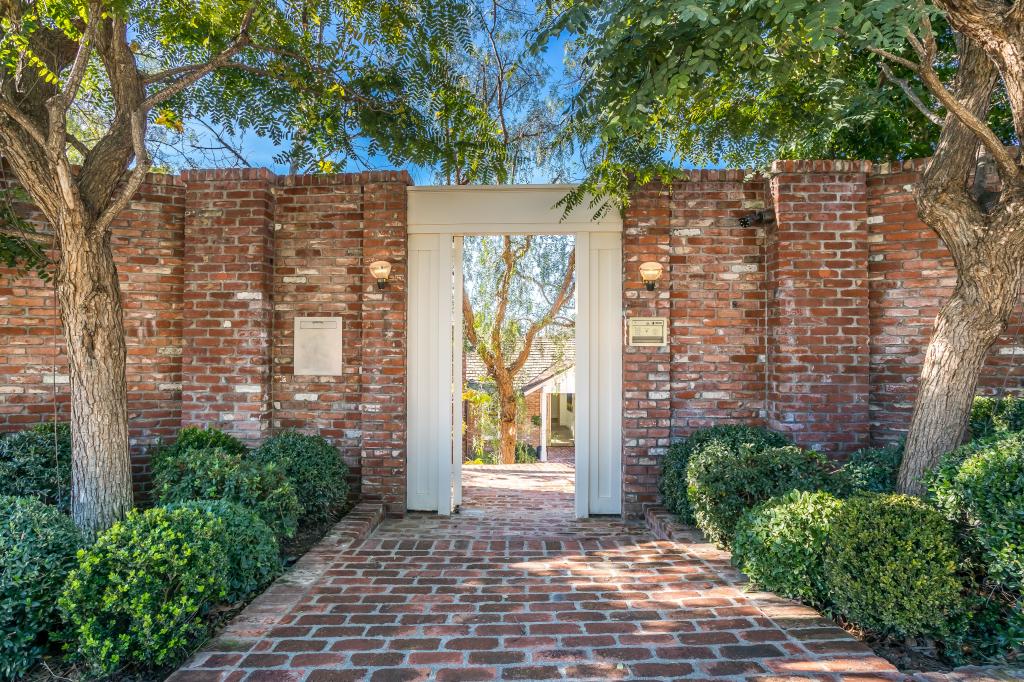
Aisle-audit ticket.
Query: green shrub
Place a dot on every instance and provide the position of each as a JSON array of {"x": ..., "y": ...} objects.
[
  {"x": 672, "y": 483},
  {"x": 870, "y": 470},
  {"x": 195, "y": 438},
  {"x": 891, "y": 566},
  {"x": 37, "y": 550},
  {"x": 780, "y": 544},
  {"x": 31, "y": 467},
  {"x": 980, "y": 487},
  {"x": 314, "y": 468},
  {"x": 253, "y": 557},
  {"x": 526, "y": 453},
  {"x": 219, "y": 474},
  {"x": 990, "y": 627},
  {"x": 723, "y": 482},
  {"x": 994, "y": 416},
  {"x": 139, "y": 596}
]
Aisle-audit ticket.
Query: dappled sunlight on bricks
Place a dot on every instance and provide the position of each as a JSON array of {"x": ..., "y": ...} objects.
[{"x": 532, "y": 596}]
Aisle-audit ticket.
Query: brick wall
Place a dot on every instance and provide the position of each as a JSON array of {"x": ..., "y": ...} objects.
[{"x": 814, "y": 322}]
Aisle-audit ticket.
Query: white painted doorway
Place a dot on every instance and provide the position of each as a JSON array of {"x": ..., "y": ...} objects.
[{"x": 438, "y": 219}]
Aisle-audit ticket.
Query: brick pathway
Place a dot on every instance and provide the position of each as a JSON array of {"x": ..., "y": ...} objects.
[{"x": 514, "y": 588}]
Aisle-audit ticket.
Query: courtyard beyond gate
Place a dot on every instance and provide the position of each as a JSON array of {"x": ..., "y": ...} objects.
[{"x": 516, "y": 588}]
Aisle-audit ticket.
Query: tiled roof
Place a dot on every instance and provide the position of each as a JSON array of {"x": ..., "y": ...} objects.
[{"x": 548, "y": 357}]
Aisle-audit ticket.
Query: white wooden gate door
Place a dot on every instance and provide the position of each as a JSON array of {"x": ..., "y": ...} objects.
[
  {"x": 434, "y": 451},
  {"x": 599, "y": 374}
]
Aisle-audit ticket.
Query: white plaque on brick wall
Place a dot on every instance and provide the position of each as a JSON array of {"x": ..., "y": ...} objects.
[
  {"x": 318, "y": 346},
  {"x": 647, "y": 331}
]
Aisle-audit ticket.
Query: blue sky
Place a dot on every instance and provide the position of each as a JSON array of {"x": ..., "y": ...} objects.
[{"x": 260, "y": 151}]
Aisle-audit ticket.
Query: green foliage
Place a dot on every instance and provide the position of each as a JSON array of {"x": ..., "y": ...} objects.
[
  {"x": 742, "y": 83},
  {"x": 20, "y": 244},
  {"x": 526, "y": 453},
  {"x": 251, "y": 549},
  {"x": 672, "y": 482},
  {"x": 195, "y": 438},
  {"x": 218, "y": 474},
  {"x": 891, "y": 566},
  {"x": 37, "y": 463},
  {"x": 37, "y": 550},
  {"x": 314, "y": 468},
  {"x": 780, "y": 544},
  {"x": 723, "y": 482},
  {"x": 990, "y": 627},
  {"x": 871, "y": 470},
  {"x": 980, "y": 487},
  {"x": 139, "y": 596},
  {"x": 993, "y": 416}
]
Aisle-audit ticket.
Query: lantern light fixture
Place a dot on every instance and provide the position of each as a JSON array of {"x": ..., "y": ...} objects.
[
  {"x": 650, "y": 273},
  {"x": 381, "y": 271}
]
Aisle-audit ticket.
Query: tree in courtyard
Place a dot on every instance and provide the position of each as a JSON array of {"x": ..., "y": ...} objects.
[
  {"x": 733, "y": 79},
  {"x": 517, "y": 287},
  {"x": 276, "y": 66}
]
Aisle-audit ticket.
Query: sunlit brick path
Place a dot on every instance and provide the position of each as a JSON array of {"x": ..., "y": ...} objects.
[{"x": 514, "y": 588}]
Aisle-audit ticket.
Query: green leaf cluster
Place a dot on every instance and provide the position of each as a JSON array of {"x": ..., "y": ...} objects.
[
  {"x": 313, "y": 467},
  {"x": 37, "y": 463},
  {"x": 37, "y": 550}
]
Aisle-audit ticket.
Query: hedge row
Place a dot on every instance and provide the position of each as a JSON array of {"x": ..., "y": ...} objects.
[
  {"x": 950, "y": 566},
  {"x": 141, "y": 597}
]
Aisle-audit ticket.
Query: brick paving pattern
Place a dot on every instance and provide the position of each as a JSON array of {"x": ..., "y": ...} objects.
[{"x": 515, "y": 588}]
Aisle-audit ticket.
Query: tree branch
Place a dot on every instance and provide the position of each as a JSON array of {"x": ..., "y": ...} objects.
[
  {"x": 135, "y": 178},
  {"x": 904, "y": 85},
  {"x": 22, "y": 120},
  {"x": 556, "y": 307},
  {"x": 59, "y": 104},
  {"x": 202, "y": 70}
]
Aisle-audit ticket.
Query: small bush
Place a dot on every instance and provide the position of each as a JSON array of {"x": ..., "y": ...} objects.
[
  {"x": 891, "y": 566},
  {"x": 994, "y": 416},
  {"x": 219, "y": 474},
  {"x": 195, "y": 438},
  {"x": 314, "y": 468},
  {"x": 139, "y": 596},
  {"x": 37, "y": 550},
  {"x": 980, "y": 487},
  {"x": 871, "y": 470},
  {"x": 253, "y": 558},
  {"x": 990, "y": 627},
  {"x": 31, "y": 467},
  {"x": 672, "y": 483},
  {"x": 723, "y": 482},
  {"x": 526, "y": 453},
  {"x": 780, "y": 544}
]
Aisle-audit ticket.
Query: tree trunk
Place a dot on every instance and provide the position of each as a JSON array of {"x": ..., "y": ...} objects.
[
  {"x": 93, "y": 320},
  {"x": 965, "y": 329},
  {"x": 508, "y": 417}
]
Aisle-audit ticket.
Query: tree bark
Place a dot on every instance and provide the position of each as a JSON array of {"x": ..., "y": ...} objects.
[
  {"x": 93, "y": 321},
  {"x": 509, "y": 415},
  {"x": 965, "y": 330}
]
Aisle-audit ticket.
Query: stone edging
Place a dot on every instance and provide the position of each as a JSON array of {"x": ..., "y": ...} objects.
[{"x": 276, "y": 601}]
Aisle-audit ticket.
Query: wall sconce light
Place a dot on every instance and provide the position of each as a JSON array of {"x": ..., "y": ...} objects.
[
  {"x": 381, "y": 271},
  {"x": 650, "y": 273}
]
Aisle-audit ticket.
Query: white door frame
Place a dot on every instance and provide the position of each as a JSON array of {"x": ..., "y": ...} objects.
[{"x": 443, "y": 215}]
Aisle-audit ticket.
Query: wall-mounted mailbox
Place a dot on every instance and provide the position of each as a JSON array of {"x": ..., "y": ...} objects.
[
  {"x": 318, "y": 346},
  {"x": 647, "y": 331}
]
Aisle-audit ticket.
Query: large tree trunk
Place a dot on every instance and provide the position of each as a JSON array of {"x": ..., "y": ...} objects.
[
  {"x": 965, "y": 329},
  {"x": 509, "y": 413},
  {"x": 92, "y": 316}
]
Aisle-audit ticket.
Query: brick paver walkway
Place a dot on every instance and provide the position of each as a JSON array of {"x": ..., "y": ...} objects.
[{"x": 514, "y": 588}]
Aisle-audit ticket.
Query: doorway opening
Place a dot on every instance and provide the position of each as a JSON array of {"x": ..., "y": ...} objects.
[
  {"x": 440, "y": 220},
  {"x": 518, "y": 380}
]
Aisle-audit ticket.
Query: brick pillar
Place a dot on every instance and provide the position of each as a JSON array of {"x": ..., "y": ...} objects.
[
  {"x": 646, "y": 371},
  {"x": 818, "y": 318},
  {"x": 383, "y": 404},
  {"x": 227, "y": 307}
]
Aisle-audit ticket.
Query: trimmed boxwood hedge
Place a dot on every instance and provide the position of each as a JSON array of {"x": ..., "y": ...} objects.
[
  {"x": 891, "y": 566},
  {"x": 672, "y": 483},
  {"x": 780, "y": 544},
  {"x": 195, "y": 438},
  {"x": 37, "y": 463},
  {"x": 219, "y": 474},
  {"x": 139, "y": 596},
  {"x": 314, "y": 468},
  {"x": 723, "y": 482},
  {"x": 37, "y": 550},
  {"x": 869, "y": 470}
]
